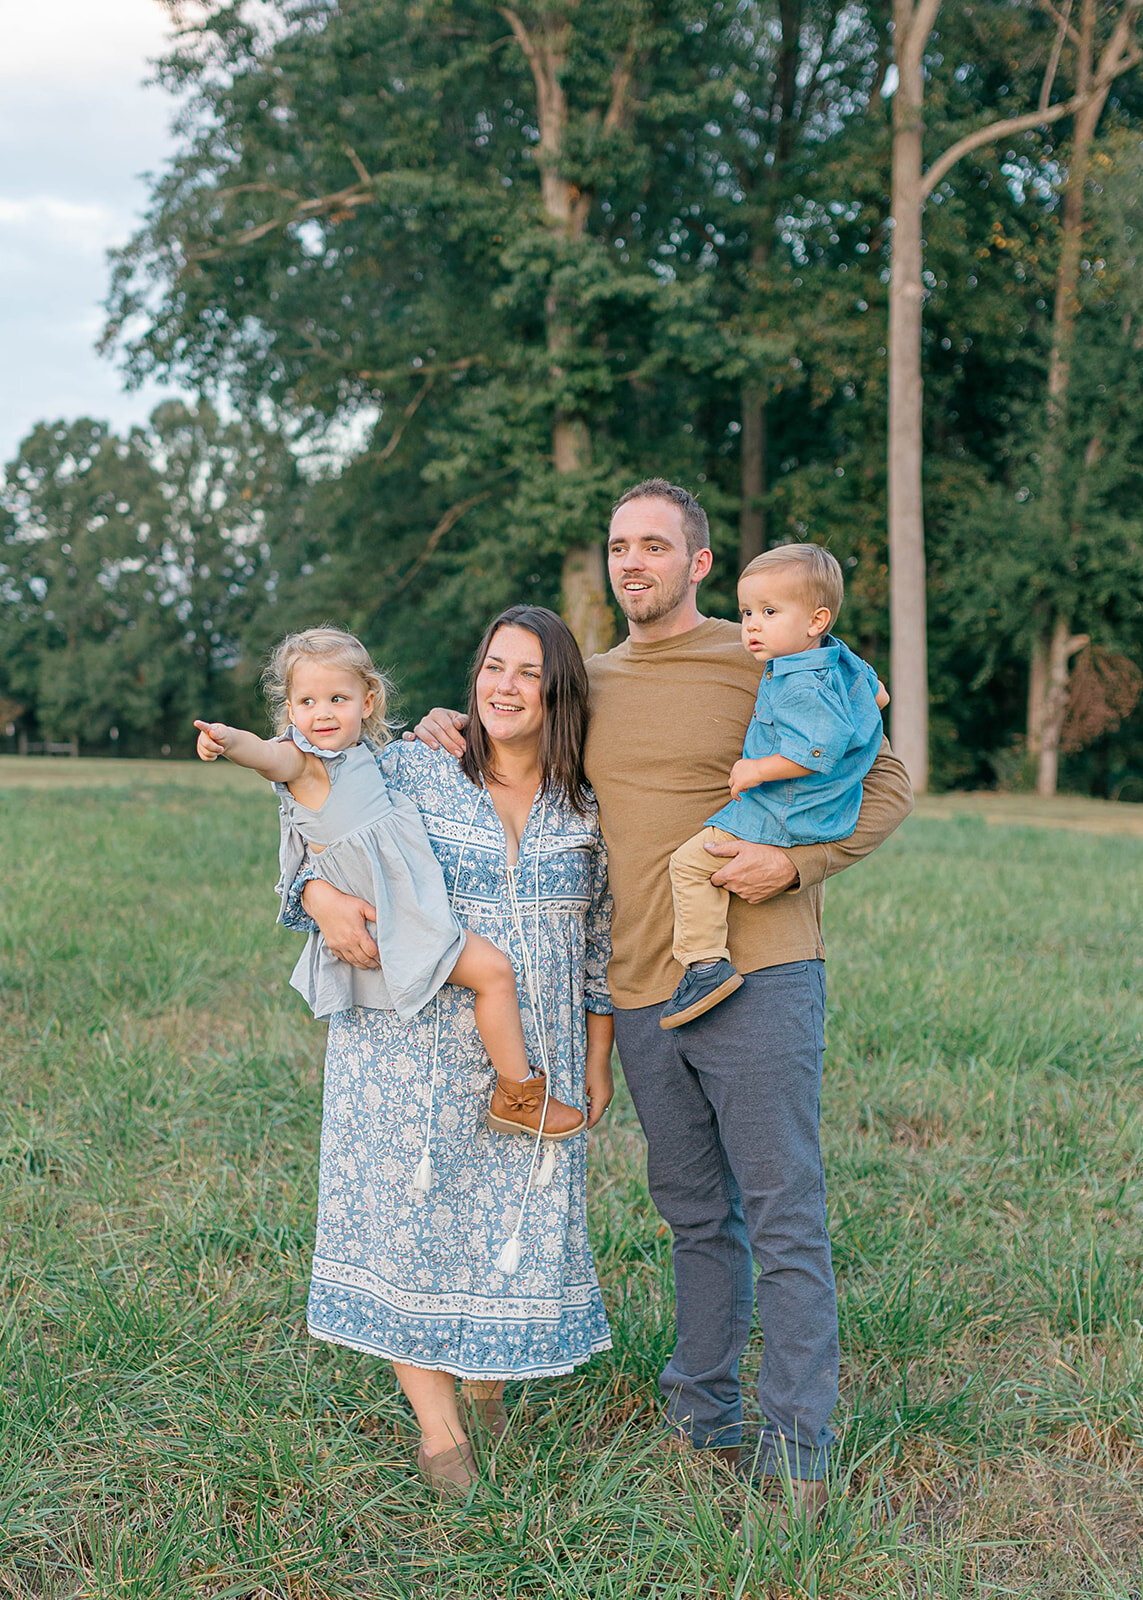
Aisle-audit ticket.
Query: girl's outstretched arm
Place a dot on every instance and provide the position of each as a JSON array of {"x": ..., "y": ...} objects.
[{"x": 277, "y": 760}]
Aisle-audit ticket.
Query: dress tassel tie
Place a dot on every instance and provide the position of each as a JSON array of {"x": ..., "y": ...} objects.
[
  {"x": 547, "y": 1168},
  {"x": 424, "y": 1174},
  {"x": 509, "y": 1258}
]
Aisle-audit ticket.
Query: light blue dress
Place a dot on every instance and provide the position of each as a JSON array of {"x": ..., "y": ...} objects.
[
  {"x": 371, "y": 843},
  {"x": 412, "y": 1275}
]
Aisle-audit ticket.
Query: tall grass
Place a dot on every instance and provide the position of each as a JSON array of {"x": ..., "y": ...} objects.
[{"x": 168, "y": 1430}]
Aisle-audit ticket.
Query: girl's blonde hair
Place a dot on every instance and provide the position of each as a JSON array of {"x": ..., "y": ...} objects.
[{"x": 333, "y": 648}]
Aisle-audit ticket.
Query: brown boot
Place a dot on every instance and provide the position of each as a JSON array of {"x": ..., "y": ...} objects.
[{"x": 518, "y": 1107}]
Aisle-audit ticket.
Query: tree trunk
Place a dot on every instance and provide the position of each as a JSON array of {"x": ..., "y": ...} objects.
[
  {"x": 583, "y": 601},
  {"x": 908, "y": 659},
  {"x": 752, "y": 476},
  {"x": 1063, "y": 646},
  {"x": 1037, "y": 695},
  {"x": 1051, "y": 656}
]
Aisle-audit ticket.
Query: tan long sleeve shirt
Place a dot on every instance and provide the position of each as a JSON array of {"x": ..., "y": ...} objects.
[{"x": 667, "y": 723}]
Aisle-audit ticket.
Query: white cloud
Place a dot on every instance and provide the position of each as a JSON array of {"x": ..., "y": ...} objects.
[
  {"x": 58, "y": 41},
  {"x": 76, "y": 225}
]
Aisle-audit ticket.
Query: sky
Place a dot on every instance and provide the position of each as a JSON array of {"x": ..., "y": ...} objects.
[{"x": 77, "y": 132}]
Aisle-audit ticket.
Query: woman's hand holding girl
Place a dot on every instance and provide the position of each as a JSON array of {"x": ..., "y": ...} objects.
[{"x": 341, "y": 919}]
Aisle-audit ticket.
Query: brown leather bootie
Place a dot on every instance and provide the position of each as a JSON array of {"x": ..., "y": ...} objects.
[{"x": 518, "y": 1107}]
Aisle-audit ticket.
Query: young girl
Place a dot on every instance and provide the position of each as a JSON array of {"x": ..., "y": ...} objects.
[{"x": 329, "y": 705}]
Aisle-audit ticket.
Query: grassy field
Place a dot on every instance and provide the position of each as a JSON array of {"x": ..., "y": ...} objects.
[{"x": 168, "y": 1430}]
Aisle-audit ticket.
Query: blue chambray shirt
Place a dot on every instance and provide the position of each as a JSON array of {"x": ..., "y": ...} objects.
[{"x": 818, "y": 708}]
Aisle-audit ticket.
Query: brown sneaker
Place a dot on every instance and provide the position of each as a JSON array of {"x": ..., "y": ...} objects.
[
  {"x": 784, "y": 1508},
  {"x": 451, "y": 1473},
  {"x": 518, "y": 1107}
]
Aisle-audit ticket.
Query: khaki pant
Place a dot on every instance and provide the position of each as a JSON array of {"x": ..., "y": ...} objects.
[{"x": 700, "y": 907}]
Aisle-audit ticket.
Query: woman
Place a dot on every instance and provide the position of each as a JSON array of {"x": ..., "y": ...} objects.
[{"x": 452, "y": 1250}]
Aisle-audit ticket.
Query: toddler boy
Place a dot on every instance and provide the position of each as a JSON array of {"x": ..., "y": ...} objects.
[{"x": 815, "y": 732}]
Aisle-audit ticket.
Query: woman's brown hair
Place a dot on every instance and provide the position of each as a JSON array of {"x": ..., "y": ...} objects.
[{"x": 563, "y": 694}]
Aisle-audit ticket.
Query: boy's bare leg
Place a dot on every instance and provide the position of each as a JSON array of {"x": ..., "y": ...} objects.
[{"x": 488, "y": 972}]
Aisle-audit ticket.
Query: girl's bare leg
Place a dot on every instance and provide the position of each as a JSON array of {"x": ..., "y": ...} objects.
[
  {"x": 521, "y": 1101},
  {"x": 487, "y": 971},
  {"x": 432, "y": 1396}
]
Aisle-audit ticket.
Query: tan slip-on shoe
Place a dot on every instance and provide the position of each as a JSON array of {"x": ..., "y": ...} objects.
[
  {"x": 487, "y": 1411},
  {"x": 451, "y": 1473}
]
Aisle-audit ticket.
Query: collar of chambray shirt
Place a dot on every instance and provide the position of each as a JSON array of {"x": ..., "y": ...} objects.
[{"x": 825, "y": 655}]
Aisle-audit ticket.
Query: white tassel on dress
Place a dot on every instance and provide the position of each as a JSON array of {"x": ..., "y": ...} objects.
[
  {"x": 509, "y": 1258},
  {"x": 424, "y": 1175},
  {"x": 547, "y": 1168}
]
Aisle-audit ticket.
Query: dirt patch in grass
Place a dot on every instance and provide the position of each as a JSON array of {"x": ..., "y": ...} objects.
[{"x": 1073, "y": 813}]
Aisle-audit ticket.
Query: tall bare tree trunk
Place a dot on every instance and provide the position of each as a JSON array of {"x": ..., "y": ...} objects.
[
  {"x": 1062, "y": 647},
  {"x": 908, "y": 658},
  {"x": 584, "y": 587},
  {"x": 752, "y": 476},
  {"x": 1057, "y": 649}
]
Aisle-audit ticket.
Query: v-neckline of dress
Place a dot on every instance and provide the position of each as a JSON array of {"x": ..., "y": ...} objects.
[{"x": 510, "y": 864}]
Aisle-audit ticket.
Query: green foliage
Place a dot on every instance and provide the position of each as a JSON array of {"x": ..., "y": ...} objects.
[
  {"x": 132, "y": 573},
  {"x": 351, "y": 243}
]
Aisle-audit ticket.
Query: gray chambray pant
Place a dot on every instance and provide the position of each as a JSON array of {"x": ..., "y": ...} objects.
[{"x": 730, "y": 1105}]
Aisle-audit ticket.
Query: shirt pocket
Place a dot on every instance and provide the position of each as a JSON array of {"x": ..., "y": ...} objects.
[{"x": 761, "y": 738}]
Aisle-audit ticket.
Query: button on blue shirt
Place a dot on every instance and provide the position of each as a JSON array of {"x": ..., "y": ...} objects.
[{"x": 819, "y": 709}]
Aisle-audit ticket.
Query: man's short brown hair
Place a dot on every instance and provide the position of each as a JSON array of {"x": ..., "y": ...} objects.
[
  {"x": 817, "y": 574},
  {"x": 696, "y": 529}
]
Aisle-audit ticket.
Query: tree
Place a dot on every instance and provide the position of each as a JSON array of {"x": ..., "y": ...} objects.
[
  {"x": 914, "y": 21},
  {"x": 412, "y": 210},
  {"x": 132, "y": 570}
]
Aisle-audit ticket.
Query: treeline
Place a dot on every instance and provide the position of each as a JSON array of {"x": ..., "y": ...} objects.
[{"x": 498, "y": 262}]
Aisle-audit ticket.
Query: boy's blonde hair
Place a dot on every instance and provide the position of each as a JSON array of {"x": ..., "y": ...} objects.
[
  {"x": 333, "y": 648},
  {"x": 817, "y": 575}
]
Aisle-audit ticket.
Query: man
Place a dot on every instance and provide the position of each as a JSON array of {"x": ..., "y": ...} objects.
[{"x": 729, "y": 1103}]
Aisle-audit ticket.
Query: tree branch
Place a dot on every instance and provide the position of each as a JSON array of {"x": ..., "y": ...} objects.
[
  {"x": 1062, "y": 18},
  {"x": 1054, "y": 58},
  {"x": 406, "y": 417},
  {"x": 620, "y": 84},
  {"x": 1011, "y": 125},
  {"x": 308, "y": 210},
  {"x": 392, "y": 374},
  {"x": 451, "y": 517}
]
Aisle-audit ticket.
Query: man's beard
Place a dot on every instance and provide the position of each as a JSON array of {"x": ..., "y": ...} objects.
[{"x": 649, "y": 606}]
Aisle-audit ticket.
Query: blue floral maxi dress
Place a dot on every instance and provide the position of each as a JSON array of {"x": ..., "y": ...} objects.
[{"x": 412, "y": 1275}]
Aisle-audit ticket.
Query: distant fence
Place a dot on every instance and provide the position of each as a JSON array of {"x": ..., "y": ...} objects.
[{"x": 43, "y": 747}]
